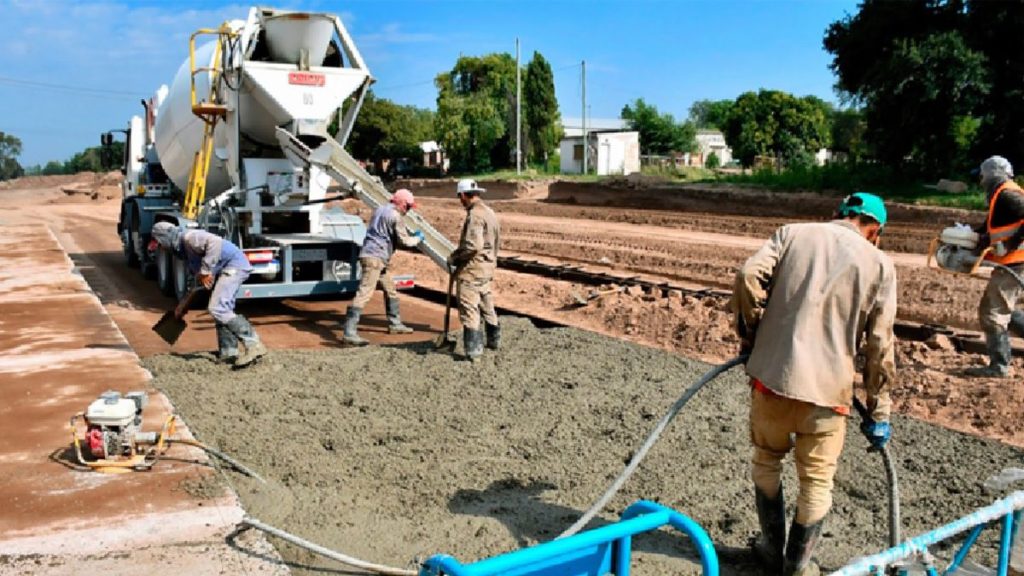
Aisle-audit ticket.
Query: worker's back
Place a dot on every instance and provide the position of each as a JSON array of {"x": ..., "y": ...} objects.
[{"x": 827, "y": 282}]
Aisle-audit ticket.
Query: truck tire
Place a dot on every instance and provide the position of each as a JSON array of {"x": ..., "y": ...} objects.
[
  {"x": 131, "y": 258},
  {"x": 146, "y": 266},
  {"x": 181, "y": 278},
  {"x": 165, "y": 271}
]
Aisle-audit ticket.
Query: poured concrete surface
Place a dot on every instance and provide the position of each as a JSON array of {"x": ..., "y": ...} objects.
[
  {"x": 391, "y": 454},
  {"x": 58, "y": 351}
]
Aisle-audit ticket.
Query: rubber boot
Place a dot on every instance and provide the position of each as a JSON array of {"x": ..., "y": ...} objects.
[
  {"x": 998, "y": 344},
  {"x": 493, "y": 332},
  {"x": 227, "y": 344},
  {"x": 395, "y": 325},
  {"x": 351, "y": 335},
  {"x": 800, "y": 549},
  {"x": 254, "y": 349},
  {"x": 473, "y": 340},
  {"x": 770, "y": 545}
]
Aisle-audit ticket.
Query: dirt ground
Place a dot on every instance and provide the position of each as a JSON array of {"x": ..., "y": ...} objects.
[
  {"x": 391, "y": 454},
  {"x": 481, "y": 460}
]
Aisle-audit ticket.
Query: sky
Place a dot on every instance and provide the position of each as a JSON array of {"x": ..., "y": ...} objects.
[{"x": 71, "y": 70}]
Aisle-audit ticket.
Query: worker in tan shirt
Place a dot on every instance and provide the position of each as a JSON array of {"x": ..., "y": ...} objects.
[
  {"x": 806, "y": 303},
  {"x": 474, "y": 261}
]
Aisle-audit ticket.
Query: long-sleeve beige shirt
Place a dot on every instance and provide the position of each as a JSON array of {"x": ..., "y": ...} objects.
[
  {"x": 479, "y": 241},
  {"x": 815, "y": 294}
]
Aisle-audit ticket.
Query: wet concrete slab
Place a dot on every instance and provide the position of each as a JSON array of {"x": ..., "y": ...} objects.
[{"x": 59, "y": 349}]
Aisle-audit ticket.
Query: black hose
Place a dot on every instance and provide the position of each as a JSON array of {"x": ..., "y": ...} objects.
[
  {"x": 890, "y": 478},
  {"x": 649, "y": 442}
]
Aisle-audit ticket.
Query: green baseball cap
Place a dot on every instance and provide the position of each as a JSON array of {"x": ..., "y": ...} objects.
[{"x": 863, "y": 203}]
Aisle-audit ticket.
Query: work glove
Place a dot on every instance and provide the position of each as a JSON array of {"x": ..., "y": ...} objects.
[
  {"x": 999, "y": 249},
  {"x": 419, "y": 235},
  {"x": 877, "y": 433},
  {"x": 459, "y": 257}
]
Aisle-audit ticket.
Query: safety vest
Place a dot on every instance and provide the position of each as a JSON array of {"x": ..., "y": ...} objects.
[{"x": 1004, "y": 233}]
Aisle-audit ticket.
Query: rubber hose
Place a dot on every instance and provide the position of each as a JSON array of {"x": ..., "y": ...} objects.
[
  {"x": 649, "y": 442},
  {"x": 217, "y": 453},
  {"x": 1006, "y": 269},
  {"x": 894, "y": 498},
  {"x": 326, "y": 552}
]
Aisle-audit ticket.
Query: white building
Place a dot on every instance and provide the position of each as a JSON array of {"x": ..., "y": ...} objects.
[
  {"x": 712, "y": 142},
  {"x": 612, "y": 147}
]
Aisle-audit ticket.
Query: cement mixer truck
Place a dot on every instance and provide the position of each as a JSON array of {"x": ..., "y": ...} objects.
[{"x": 239, "y": 145}]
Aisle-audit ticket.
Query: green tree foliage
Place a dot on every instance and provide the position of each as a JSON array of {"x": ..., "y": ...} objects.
[
  {"x": 10, "y": 149},
  {"x": 848, "y": 130},
  {"x": 659, "y": 133},
  {"x": 543, "y": 130},
  {"x": 778, "y": 124},
  {"x": 385, "y": 130},
  {"x": 710, "y": 113},
  {"x": 712, "y": 161},
  {"x": 940, "y": 81},
  {"x": 475, "y": 119}
]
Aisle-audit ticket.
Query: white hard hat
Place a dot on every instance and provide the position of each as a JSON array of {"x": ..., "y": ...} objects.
[{"x": 467, "y": 186}]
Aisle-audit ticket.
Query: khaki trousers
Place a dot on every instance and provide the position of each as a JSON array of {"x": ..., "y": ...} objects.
[
  {"x": 778, "y": 425},
  {"x": 475, "y": 300},
  {"x": 375, "y": 271},
  {"x": 999, "y": 301}
]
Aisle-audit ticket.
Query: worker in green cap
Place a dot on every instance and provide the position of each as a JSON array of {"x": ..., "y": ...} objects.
[{"x": 806, "y": 303}]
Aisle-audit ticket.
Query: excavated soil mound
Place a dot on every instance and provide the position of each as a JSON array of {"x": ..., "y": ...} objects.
[
  {"x": 496, "y": 189},
  {"x": 393, "y": 454}
]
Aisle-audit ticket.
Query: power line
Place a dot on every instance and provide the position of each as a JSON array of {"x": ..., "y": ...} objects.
[{"x": 95, "y": 92}]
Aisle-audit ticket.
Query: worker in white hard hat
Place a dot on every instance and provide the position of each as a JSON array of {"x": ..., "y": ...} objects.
[
  {"x": 1002, "y": 232},
  {"x": 474, "y": 261},
  {"x": 385, "y": 231},
  {"x": 221, "y": 267},
  {"x": 812, "y": 297}
]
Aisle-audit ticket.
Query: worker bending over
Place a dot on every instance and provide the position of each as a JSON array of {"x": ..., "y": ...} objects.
[
  {"x": 222, "y": 267},
  {"x": 1003, "y": 231},
  {"x": 812, "y": 297},
  {"x": 474, "y": 261},
  {"x": 385, "y": 231}
]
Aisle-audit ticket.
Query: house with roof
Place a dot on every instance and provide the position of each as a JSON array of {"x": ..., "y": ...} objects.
[{"x": 611, "y": 146}]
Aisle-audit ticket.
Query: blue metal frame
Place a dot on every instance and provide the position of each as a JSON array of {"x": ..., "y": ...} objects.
[
  {"x": 1008, "y": 512},
  {"x": 598, "y": 552}
]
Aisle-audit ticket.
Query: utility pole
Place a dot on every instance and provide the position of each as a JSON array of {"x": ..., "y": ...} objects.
[
  {"x": 519, "y": 129},
  {"x": 583, "y": 112}
]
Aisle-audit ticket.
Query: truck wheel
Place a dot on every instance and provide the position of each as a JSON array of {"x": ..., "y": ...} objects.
[
  {"x": 181, "y": 276},
  {"x": 146, "y": 266},
  {"x": 165, "y": 271},
  {"x": 128, "y": 245}
]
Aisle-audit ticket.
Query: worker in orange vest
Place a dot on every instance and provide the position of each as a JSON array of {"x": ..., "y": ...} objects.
[{"x": 1003, "y": 232}]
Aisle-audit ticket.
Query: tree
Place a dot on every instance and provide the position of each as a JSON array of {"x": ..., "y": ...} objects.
[
  {"x": 923, "y": 71},
  {"x": 659, "y": 133},
  {"x": 710, "y": 113},
  {"x": 475, "y": 119},
  {"x": 10, "y": 149},
  {"x": 543, "y": 130},
  {"x": 777, "y": 124},
  {"x": 712, "y": 161},
  {"x": 848, "y": 130},
  {"x": 385, "y": 130}
]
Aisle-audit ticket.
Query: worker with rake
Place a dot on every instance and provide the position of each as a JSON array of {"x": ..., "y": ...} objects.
[
  {"x": 474, "y": 261},
  {"x": 385, "y": 231},
  {"x": 806, "y": 303},
  {"x": 221, "y": 267},
  {"x": 1003, "y": 232}
]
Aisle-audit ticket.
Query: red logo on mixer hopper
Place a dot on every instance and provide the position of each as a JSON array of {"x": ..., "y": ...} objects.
[{"x": 306, "y": 78}]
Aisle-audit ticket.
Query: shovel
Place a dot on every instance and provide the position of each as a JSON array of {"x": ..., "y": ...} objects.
[
  {"x": 172, "y": 323},
  {"x": 445, "y": 339}
]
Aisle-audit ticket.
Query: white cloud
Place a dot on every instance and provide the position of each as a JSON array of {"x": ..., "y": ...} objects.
[{"x": 393, "y": 34}]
